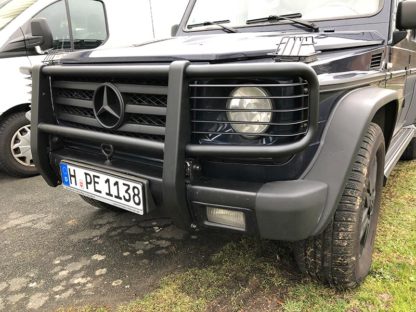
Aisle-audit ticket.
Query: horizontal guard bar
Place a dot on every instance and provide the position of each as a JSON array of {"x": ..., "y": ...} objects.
[
  {"x": 139, "y": 145},
  {"x": 249, "y": 151}
]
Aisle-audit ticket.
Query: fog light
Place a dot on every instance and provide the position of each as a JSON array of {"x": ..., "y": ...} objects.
[{"x": 230, "y": 218}]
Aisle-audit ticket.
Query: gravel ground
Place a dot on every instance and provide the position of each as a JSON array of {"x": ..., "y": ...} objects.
[{"x": 56, "y": 251}]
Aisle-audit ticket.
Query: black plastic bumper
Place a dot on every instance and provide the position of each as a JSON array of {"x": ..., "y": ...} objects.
[
  {"x": 280, "y": 210},
  {"x": 287, "y": 211}
]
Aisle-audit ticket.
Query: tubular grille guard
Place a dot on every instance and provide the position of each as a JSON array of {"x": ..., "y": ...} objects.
[{"x": 179, "y": 97}]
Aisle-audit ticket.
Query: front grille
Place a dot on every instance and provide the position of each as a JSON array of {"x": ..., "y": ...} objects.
[
  {"x": 290, "y": 112},
  {"x": 145, "y": 106}
]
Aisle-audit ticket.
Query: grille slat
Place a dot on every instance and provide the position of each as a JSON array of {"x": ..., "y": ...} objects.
[
  {"x": 74, "y": 85},
  {"x": 74, "y": 102},
  {"x": 146, "y": 110},
  {"x": 82, "y": 120},
  {"x": 142, "y": 89}
]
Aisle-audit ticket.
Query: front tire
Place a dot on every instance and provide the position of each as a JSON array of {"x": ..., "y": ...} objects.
[
  {"x": 15, "y": 153},
  {"x": 342, "y": 255}
]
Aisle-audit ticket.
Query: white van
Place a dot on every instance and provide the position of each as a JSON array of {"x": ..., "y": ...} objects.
[{"x": 73, "y": 25}]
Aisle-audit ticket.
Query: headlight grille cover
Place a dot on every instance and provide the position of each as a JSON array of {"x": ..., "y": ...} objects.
[{"x": 210, "y": 113}]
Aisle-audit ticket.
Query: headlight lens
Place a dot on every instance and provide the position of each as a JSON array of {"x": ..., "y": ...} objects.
[{"x": 250, "y": 99}]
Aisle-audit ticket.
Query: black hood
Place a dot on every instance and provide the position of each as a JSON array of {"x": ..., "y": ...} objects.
[{"x": 217, "y": 48}]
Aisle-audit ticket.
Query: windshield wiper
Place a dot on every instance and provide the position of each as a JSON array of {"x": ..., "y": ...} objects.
[
  {"x": 215, "y": 23},
  {"x": 294, "y": 18}
]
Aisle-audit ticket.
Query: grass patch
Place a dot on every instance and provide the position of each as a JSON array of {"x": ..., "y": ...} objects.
[
  {"x": 249, "y": 276},
  {"x": 236, "y": 274},
  {"x": 85, "y": 309}
]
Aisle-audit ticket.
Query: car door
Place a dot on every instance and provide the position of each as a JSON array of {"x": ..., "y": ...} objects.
[{"x": 403, "y": 62}]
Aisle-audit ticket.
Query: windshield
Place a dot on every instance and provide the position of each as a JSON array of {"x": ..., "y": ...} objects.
[
  {"x": 239, "y": 11},
  {"x": 9, "y": 10}
]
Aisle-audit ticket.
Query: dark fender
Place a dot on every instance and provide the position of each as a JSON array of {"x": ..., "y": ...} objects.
[{"x": 341, "y": 141}]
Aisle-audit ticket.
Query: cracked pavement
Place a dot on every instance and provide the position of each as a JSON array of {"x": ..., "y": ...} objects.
[{"x": 57, "y": 251}]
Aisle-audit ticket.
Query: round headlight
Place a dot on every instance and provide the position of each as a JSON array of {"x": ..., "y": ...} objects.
[{"x": 245, "y": 101}]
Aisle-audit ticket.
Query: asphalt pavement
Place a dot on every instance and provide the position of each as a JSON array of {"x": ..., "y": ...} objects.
[{"x": 57, "y": 251}]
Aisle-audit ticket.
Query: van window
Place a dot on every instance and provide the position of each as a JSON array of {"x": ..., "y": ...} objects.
[
  {"x": 9, "y": 10},
  {"x": 88, "y": 21},
  {"x": 89, "y": 25},
  {"x": 55, "y": 15}
]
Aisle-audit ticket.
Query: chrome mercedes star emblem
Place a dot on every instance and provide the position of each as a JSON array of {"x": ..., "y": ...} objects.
[{"x": 108, "y": 106}]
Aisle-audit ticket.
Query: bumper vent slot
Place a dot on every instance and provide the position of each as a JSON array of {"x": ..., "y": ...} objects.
[{"x": 376, "y": 61}]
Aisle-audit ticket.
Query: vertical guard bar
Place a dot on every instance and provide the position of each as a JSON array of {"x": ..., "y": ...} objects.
[
  {"x": 41, "y": 113},
  {"x": 178, "y": 134}
]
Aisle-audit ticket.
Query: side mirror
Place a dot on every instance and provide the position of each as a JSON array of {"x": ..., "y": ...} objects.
[
  {"x": 406, "y": 15},
  {"x": 174, "y": 30},
  {"x": 398, "y": 36},
  {"x": 42, "y": 39}
]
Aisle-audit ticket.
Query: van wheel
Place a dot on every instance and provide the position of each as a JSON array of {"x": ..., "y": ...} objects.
[
  {"x": 15, "y": 153},
  {"x": 342, "y": 255},
  {"x": 99, "y": 205},
  {"x": 410, "y": 152}
]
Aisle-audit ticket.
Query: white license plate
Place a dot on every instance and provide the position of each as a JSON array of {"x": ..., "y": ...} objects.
[{"x": 110, "y": 189}]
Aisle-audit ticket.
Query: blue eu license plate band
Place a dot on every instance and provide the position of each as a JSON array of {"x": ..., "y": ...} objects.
[{"x": 65, "y": 175}]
